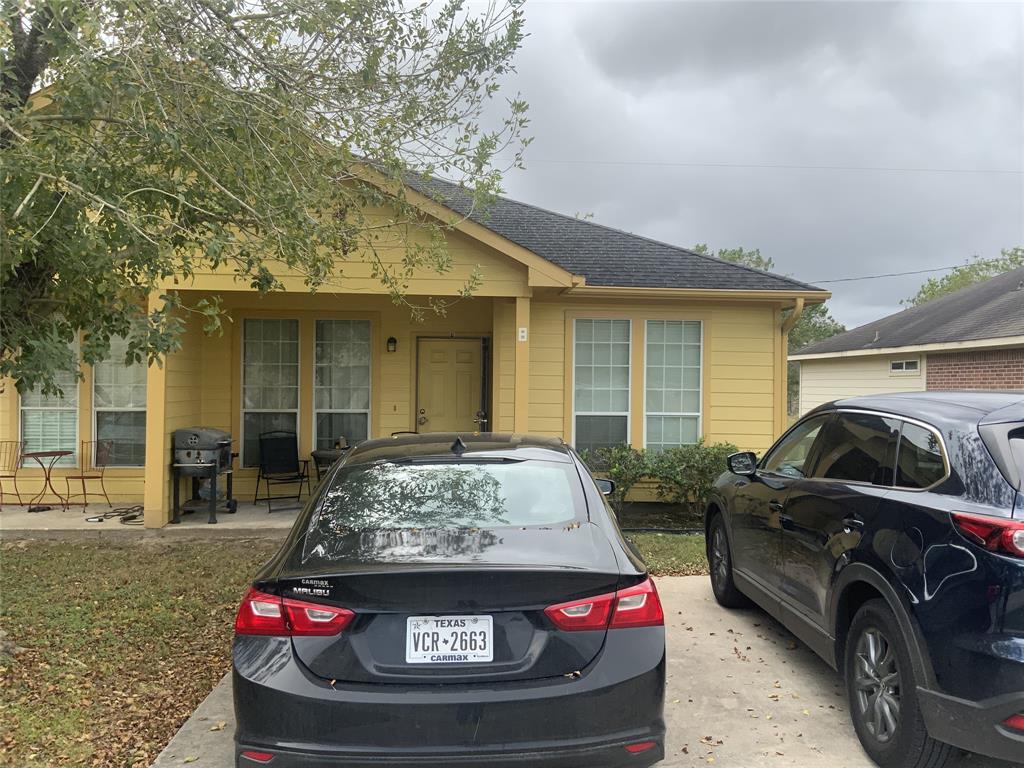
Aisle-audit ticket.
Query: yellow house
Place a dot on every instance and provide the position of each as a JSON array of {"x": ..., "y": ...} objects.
[{"x": 576, "y": 330}]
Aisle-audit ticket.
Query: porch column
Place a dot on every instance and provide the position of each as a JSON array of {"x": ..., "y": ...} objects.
[
  {"x": 522, "y": 412},
  {"x": 157, "y": 483}
]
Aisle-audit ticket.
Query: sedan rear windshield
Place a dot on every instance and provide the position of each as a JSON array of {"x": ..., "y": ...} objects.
[{"x": 448, "y": 494}]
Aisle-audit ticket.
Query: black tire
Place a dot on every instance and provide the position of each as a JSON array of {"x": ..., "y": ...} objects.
[
  {"x": 882, "y": 693},
  {"x": 720, "y": 566}
]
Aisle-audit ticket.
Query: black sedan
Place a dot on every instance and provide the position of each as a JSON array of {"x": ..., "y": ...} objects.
[
  {"x": 452, "y": 600},
  {"x": 887, "y": 533}
]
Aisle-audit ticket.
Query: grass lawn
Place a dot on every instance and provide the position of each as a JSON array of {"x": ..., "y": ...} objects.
[
  {"x": 121, "y": 644},
  {"x": 122, "y": 641},
  {"x": 672, "y": 554}
]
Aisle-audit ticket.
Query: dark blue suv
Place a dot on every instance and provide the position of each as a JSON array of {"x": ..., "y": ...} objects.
[{"x": 887, "y": 533}]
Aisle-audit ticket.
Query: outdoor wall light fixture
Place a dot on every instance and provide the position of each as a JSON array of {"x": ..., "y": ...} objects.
[{"x": 392, "y": 344}]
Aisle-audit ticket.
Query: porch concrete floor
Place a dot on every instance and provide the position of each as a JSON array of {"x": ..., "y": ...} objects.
[{"x": 249, "y": 519}]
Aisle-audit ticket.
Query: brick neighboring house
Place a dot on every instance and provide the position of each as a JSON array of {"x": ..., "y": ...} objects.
[{"x": 970, "y": 339}]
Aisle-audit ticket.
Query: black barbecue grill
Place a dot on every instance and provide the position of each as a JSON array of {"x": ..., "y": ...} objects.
[{"x": 202, "y": 453}]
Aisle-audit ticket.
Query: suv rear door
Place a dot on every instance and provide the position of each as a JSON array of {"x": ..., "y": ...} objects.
[{"x": 826, "y": 514}]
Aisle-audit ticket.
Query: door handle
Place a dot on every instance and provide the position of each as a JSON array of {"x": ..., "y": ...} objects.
[
  {"x": 850, "y": 523},
  {"x": 775, "y": 506}
]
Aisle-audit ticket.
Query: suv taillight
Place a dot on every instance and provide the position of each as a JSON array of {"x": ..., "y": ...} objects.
[
  {"x": 637, "y": 606},
  {"x": 996, "y": 534},
  {"x": 263, "y": 614}
]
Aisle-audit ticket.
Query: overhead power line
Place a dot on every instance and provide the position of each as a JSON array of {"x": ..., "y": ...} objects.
[
  {"x": 776, "y": 166},
  {"x": 902, "y": 274}
]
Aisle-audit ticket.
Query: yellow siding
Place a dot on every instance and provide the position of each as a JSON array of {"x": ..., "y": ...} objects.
[
  {"x": 500, "y": 275},
  {"x": 822, "y": 381},
  {"x": 740, "y": 365}
]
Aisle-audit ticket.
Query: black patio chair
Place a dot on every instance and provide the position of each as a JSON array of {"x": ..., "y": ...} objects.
[{"x": 280, "y": 465}]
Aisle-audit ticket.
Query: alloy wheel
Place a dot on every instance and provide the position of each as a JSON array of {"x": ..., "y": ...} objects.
[
  {"x": 720, "y": 556},
  {"x": 877, "y": 685}
]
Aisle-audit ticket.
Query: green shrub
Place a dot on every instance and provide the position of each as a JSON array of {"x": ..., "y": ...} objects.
[
  {"x": 623, "y": 465},
  {"x": 686, "y": 474}
]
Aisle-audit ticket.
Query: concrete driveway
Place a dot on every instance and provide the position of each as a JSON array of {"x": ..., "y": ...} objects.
[{"x": 741, "y": 692}]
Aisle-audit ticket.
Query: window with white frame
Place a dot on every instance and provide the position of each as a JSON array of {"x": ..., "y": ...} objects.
[
  {"x": 600, "y": 383},
  {"x": 672, "y": 383},
  {"x": 341, "y": 382},
  {"x": 49, "y": 422},
  {"x": 909, "y": 367},
  {"x": 119, "y": 406},
  {"x": 270, "y": 381}
]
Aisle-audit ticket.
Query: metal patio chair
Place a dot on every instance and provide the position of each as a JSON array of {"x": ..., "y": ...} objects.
[
  {"x": 280, "y": 465},
  {"x": 94, "y": 458},
  {"x": 10, "y": 463}
]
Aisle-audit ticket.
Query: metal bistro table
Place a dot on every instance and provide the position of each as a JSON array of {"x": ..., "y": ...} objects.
[
  {"x": 324, "y": 458},
  {"x": 46, "y": 460}
]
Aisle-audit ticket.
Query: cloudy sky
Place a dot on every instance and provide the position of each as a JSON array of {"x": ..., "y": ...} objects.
[{"x": 841, "y": 138}]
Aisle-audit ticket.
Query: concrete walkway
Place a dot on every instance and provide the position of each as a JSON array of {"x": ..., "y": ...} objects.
[{"x": 741, "y": 693}]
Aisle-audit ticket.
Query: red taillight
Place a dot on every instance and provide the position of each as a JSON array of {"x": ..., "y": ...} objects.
[
  {"x": 641, "y": 746},
  {"x": 1015, "y": 722},
  {"x": 263, "y": 614},
  {"x": 996, "y": 534},
  {"x": 637, "y": 606},
  {"x": 258, "y": 757}
]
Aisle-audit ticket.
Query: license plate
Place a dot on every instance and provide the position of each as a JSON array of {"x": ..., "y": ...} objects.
[{"x": 449, "y": 639}]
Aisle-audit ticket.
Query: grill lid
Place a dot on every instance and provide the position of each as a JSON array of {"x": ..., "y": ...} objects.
[{"x": 200, "y": 438}]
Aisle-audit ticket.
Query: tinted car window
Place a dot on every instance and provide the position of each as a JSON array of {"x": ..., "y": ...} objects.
[
  {"x": 919, "y": 461},
  {"x": 857, "y": 447},
  {"x": 791, "y": 454},
  {"x": 453, "y": 495}
]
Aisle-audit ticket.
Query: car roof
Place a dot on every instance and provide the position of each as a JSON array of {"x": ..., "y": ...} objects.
[
  {"x": 405, "y": 445},
  {"x": 942, "y": 406}
]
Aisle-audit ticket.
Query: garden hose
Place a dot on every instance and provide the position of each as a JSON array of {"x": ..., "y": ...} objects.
[{"x": 127, "y": 515}]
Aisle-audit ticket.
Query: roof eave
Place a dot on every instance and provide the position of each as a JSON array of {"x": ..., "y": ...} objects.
[
  {"x": 942, "y": 346},
  {"x": 615, "y": 291}
]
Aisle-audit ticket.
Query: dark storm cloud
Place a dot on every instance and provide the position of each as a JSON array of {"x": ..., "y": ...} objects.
[{"x": 864, "y": 85}]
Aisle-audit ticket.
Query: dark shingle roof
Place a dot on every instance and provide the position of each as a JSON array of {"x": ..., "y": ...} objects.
[
  {"x": 992, "y": 309},
  {"x": 603, "y": 255}
]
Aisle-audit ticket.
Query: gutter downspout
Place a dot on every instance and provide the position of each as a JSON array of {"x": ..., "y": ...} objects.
[{"x": 789, "y": 322}]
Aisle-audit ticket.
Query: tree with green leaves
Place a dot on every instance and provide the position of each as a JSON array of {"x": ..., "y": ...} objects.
[
  {"x": 815, "y": 324},
  {"x": 143, "y": 140},
  {"x": 976, "y": 270}
]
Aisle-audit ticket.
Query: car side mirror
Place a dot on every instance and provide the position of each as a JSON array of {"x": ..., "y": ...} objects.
[
  {"x": 743, "y": 463},
  {"x": 605, "y": 486}
]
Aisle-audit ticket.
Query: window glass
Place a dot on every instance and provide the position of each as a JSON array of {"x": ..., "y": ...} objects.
[
  {"x": 445, "y": 495},
  {"x": 857, "y": 447},
  {"x": 50, "y": 423},
  {"x": 792, "y": 452},
  {"x": 904, "y": 366},
  {"x": 919, "y": 461},
  {"x": 601, "y": 375},
  {"x": 672, "y": 383},
  {"x": 119, "y": 404},
  {"x": 270, "y": 381},
  {"x": 341, "y": 382}
]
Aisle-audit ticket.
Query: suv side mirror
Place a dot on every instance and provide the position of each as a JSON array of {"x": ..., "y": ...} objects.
[
  {"x": 743, "y": 463},
  {"x": 605, "y": 486}
]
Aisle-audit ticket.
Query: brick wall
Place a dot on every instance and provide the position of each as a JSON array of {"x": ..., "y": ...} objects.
[{"x": 983, "y": 369}]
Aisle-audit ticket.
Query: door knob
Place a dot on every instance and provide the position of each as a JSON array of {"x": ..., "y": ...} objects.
[{"x": 422, "y": 419}]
